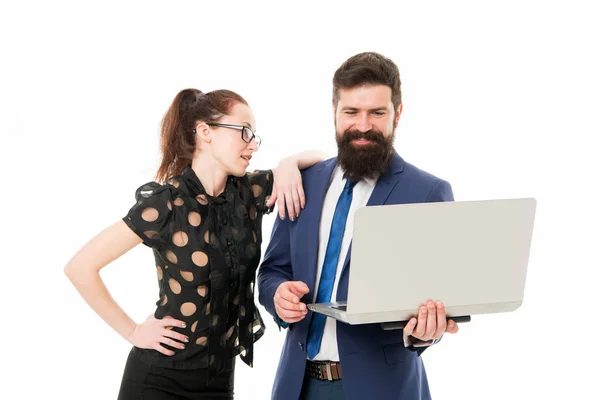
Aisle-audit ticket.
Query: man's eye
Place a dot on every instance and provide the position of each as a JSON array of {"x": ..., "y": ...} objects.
[
  {"x": 350, "y": 112},
  {"x": 379, "y": 113}
]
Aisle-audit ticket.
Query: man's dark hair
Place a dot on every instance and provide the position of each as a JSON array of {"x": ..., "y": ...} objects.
[{"x": 368, "y": 69}]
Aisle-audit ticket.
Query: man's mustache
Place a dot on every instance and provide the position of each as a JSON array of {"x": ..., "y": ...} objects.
[{"x": 371, "y": 134}]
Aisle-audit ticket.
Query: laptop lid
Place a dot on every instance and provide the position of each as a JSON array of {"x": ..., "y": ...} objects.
[{"x": 472, "y": 255}]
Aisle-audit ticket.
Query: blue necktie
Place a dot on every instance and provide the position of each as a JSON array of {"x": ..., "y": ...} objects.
[{"x": 332, "y": 255}]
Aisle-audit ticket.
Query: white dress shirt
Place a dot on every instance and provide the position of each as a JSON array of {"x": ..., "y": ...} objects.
[{"x": 360, "y": 196}]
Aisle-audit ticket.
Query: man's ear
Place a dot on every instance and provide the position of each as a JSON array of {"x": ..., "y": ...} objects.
[
  {"x": 203, "y": 131},
  {"x": 334, "y": 110},
  {"x": 397, "y": 116},
  {"x": 398, "y": 112}
]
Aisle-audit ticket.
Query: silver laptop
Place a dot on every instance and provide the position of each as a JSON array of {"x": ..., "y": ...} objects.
[{"x": 472, "y": 255}]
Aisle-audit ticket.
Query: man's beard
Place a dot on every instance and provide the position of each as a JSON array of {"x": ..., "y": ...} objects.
[{"x": 364, "y": 161}]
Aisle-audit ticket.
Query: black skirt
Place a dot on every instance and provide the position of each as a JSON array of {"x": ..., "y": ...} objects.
[{"x": 142, "y": 381}]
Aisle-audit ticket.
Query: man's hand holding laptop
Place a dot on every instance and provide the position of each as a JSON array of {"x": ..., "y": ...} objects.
[
  {"x": 287, "y": 301},
  {"x": 427, "y": 327}
]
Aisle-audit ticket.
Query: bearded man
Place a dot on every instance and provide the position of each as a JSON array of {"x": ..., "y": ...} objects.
[{"x": 308, "y": 260}]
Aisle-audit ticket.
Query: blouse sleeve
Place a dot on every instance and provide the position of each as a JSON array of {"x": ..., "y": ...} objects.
[
  {"x": 261, "y": 183},
  {"x": 149, "y": 217}
]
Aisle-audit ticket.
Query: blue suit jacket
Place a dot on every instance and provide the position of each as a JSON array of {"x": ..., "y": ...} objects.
[{"x": 375, "y": 364}]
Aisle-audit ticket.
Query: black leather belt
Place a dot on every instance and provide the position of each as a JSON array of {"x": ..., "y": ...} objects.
[{"x": 324, "y": 370}]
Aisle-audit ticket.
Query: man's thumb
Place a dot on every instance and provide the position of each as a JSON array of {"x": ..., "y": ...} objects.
[{"x": 300, "y": 287}]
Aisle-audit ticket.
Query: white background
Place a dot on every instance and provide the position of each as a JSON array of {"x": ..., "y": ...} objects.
[{"x": 501, "y": 100}]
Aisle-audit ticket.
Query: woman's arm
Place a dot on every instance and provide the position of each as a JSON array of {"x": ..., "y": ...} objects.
[
  {"x": 287, "y": 189},
  {"x": 83, "y": 270}
]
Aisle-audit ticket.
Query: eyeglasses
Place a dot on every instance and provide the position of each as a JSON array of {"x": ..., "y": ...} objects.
[{"x": 247, "y": 133}]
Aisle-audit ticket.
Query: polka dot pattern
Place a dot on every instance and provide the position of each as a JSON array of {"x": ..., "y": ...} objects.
[
  {"x": 207, "y": 250},
  {"x": 202, "y": 199},
  {"x": 150, "y": 214},
  {"x": 187, "y": 275},
  {"x": 175, "y": 286},
  {"x": 257, "y": 190},
  {"x": 194, "y": 218},
  {"x": 202, "y": 341},
  {"x": 151, "y": 234},
  {"x": 171, "y": 256},
  {"x": 199, "y": 258},
  {"x": 180, "y": 239},
  {"x": 229, "y": 333},
  {"x": 188, "y": 309}
]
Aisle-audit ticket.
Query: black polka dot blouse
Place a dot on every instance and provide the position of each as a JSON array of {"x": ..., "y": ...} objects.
[{"x": 206, "y": 251}]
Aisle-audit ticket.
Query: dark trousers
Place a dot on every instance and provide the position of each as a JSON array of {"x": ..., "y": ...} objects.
[
  {"x": 142, "y": 381},
  {"x": 316, "y": 389}
]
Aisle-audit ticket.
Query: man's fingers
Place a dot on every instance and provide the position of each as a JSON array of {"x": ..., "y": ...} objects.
[
  {"x": 451, "y": 327},
  {"x": 288, "y": 315},
  {"x": 288, "y": 305},
  {"x": 299, "y": 288},
  {"x": 283, "y": 313},
  {"x": 288, "y": 300},
  {"x": 292, "y": 319},
  {"x": 295, "y": 308},
  {"x": 441, "y": 320},
  {"x": 419, "y": 331},
  {"x": 410, "y": 326},
  {"x": 289, "y": 296},
  {"x": 431, "y": 320},
  {"x": 291, "y": 291}
]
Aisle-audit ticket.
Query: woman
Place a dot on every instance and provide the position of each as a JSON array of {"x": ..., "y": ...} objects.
[{"x": 204, "y": 226}]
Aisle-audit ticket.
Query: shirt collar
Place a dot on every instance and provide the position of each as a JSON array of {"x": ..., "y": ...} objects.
[
  {"x": 192, "y": 182},
  {"x": 196, "y": 188}
]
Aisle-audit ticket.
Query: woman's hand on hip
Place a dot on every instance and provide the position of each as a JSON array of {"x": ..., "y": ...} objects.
[{"x": 152, "y": 333}]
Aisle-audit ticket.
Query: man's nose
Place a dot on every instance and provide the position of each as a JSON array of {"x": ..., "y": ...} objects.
[{"x": 364, "y": 123}]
